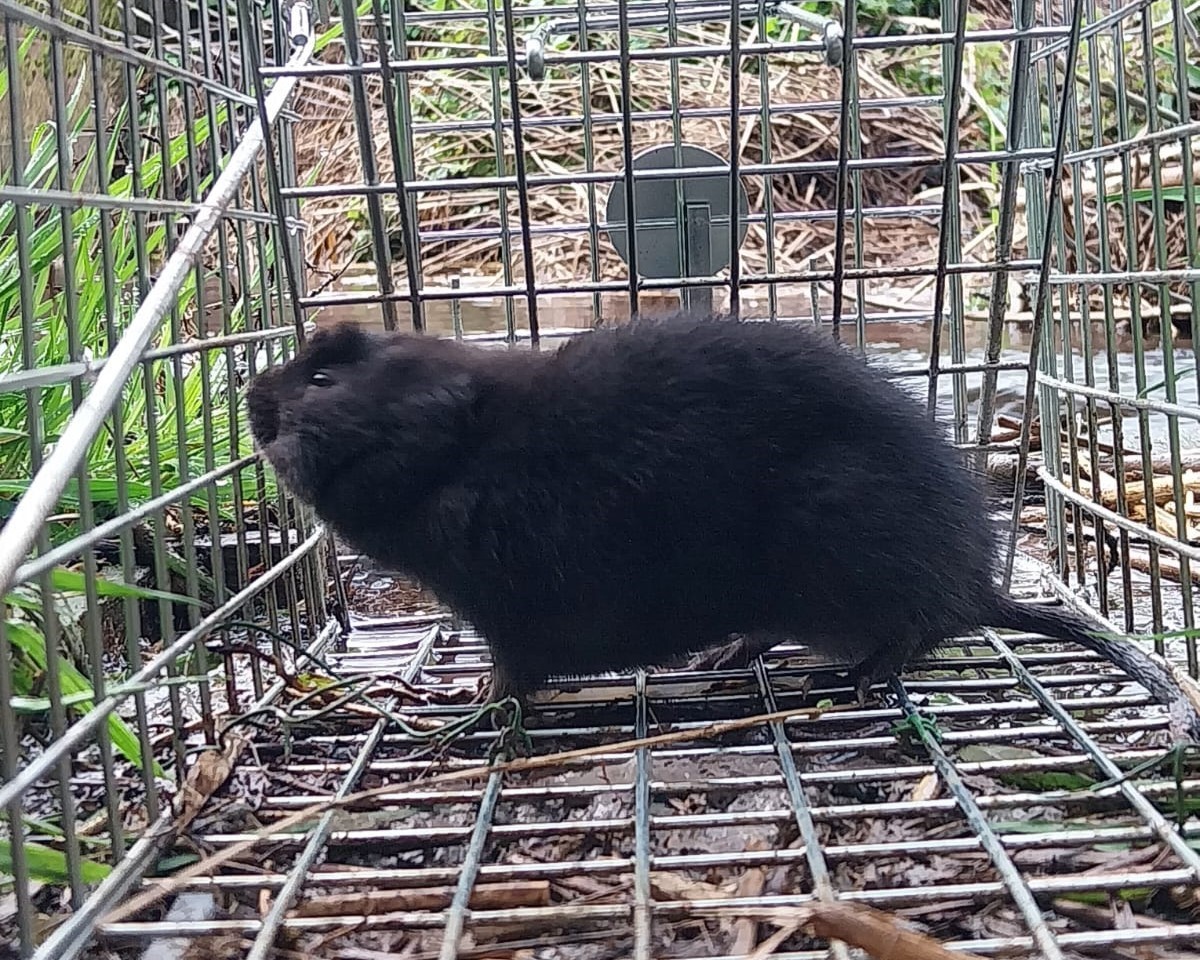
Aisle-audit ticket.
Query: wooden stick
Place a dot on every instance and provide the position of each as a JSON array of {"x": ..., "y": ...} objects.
[
  {"x": 162, "y": 887},
  {"x": 882, "y": 935},
  {"x": 1167, "y": 566},
  {"x": 503, "y": 895}
]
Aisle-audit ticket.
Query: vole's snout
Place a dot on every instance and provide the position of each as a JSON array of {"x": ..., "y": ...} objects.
[{"x": 264, "y": 413}]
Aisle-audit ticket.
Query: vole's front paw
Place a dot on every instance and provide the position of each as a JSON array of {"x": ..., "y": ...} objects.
[
  {"x": 483, "y": 690},
  {"x": 735, "y": 655},
  {"x": 862, "y": 688}
]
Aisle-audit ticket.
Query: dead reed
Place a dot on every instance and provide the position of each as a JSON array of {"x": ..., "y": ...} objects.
[{"x": 455, "y": 137}]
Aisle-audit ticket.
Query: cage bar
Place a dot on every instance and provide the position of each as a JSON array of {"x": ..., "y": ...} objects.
[{"x": 998, "y": 199}]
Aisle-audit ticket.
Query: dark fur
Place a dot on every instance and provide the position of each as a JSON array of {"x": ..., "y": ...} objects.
[{"x": 648, "y": 491}]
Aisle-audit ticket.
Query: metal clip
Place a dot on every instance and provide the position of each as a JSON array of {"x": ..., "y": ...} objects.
[
  {"x": 830, "y": 30},
  {"x": 299, "y": 23},
  {"x": 653, "y": 15}
]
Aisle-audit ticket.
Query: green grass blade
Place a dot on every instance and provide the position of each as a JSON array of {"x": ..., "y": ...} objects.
[
  {"x": 71, "y": 682},
  {"x": 69, "y": 581},
  {"x": 47, "y": 865},
  {"x": 1146, "y": 195},
  {"x": 99, "y": 489}
]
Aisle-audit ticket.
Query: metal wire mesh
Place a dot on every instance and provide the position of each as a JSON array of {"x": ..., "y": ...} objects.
[
  {"x": 666, "y": 851},
  {"x": 142, "y": 281},
  {"x": 186, "y": 185}
]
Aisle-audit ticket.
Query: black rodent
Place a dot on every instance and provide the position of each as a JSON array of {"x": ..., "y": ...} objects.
[{"x": 652, "y": 490}]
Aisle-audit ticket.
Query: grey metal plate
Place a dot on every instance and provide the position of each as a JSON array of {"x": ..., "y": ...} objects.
[{"x": 660, "y": 221}]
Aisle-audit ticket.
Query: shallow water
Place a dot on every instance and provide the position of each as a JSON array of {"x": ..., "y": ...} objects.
[
  {"x": 907, "y": 345},
  {"x": 902, "y": 344}
]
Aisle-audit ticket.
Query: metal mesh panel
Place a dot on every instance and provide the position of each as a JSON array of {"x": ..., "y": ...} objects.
[
  {"x": 668, "y": 850},
  {"x": 144, "y": 547},
  {"x": 185, "y": 186}
]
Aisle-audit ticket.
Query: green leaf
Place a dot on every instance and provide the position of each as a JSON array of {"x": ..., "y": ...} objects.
[
  {"x": 1100, "y": 898},
  {"x": 173, "y": 863},
  {"x": 1038, "y": 826},
  {"x": 99, "y": 488},
  {"x": 24, "y": 48},
  {"x": 70, "y": 581},
  {"x": 1192, "y": 70},
  {"x": 54, "y": 830},
  {"x": 336, "y": 31},
  {"x": 48, "y": 865},
  {"x": 1047, "y": 781},
  {"x": 104, "y": 489},
  {"x": 71, "y": 682},
  {"x": 23, "y": 600},
  {"x": 1146, "y": 195},
  {"x": 1183, "y": 634},
  {"x": 42, "y": 704}
]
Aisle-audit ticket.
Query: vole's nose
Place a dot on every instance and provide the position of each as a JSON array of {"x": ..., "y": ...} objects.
[{"x": 264, "y": 413}]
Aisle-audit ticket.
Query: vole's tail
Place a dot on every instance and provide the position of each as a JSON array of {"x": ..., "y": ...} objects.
[{"x": 1059, "y": 624}]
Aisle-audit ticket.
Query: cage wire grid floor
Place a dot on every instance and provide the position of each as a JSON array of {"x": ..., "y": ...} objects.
[{"x": 993, "y": 830}]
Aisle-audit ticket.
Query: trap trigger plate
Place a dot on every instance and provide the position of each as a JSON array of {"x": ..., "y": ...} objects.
[{"x": 682, "y": 223}]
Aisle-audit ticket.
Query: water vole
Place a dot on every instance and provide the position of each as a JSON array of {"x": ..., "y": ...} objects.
[{"x": 649, "y": 491}]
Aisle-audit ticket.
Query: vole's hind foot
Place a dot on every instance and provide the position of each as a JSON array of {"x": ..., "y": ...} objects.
[
  {"x": 886, "y": 661},
  {"x": 867, "y": 674},
  {"x": 506, "y": 700},
  {"x": 862, "y": 688},
  {"x": 738, "y": 654},
  {"x": 502, "y": 684},
  {"x": 730, "y": 657}
]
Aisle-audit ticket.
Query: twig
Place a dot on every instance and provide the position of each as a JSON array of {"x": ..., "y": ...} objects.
[
  {"x": 773, "y": 942},
  {"x": 502, "y": 895},
  {"x": 162, "y": 888},
  {"x": 882, "y": 935}
]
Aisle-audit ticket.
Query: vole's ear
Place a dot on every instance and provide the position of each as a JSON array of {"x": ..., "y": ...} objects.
[
  {"x": 436, "y": 393},
  {"x": 455, "y": 394},
  {"x": 344, "y": 343}
]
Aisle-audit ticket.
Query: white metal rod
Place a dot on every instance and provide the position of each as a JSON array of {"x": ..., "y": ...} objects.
[{"x": 48, "y": 484}]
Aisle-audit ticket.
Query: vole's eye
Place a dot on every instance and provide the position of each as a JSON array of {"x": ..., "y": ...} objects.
[{"x": 321, "y": 379}]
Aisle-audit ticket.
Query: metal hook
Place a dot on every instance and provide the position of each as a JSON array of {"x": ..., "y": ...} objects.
[{"x": 830, "y": 31}]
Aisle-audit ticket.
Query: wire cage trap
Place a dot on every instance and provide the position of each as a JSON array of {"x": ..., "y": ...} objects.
[{"x": 223, "y": 734}]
